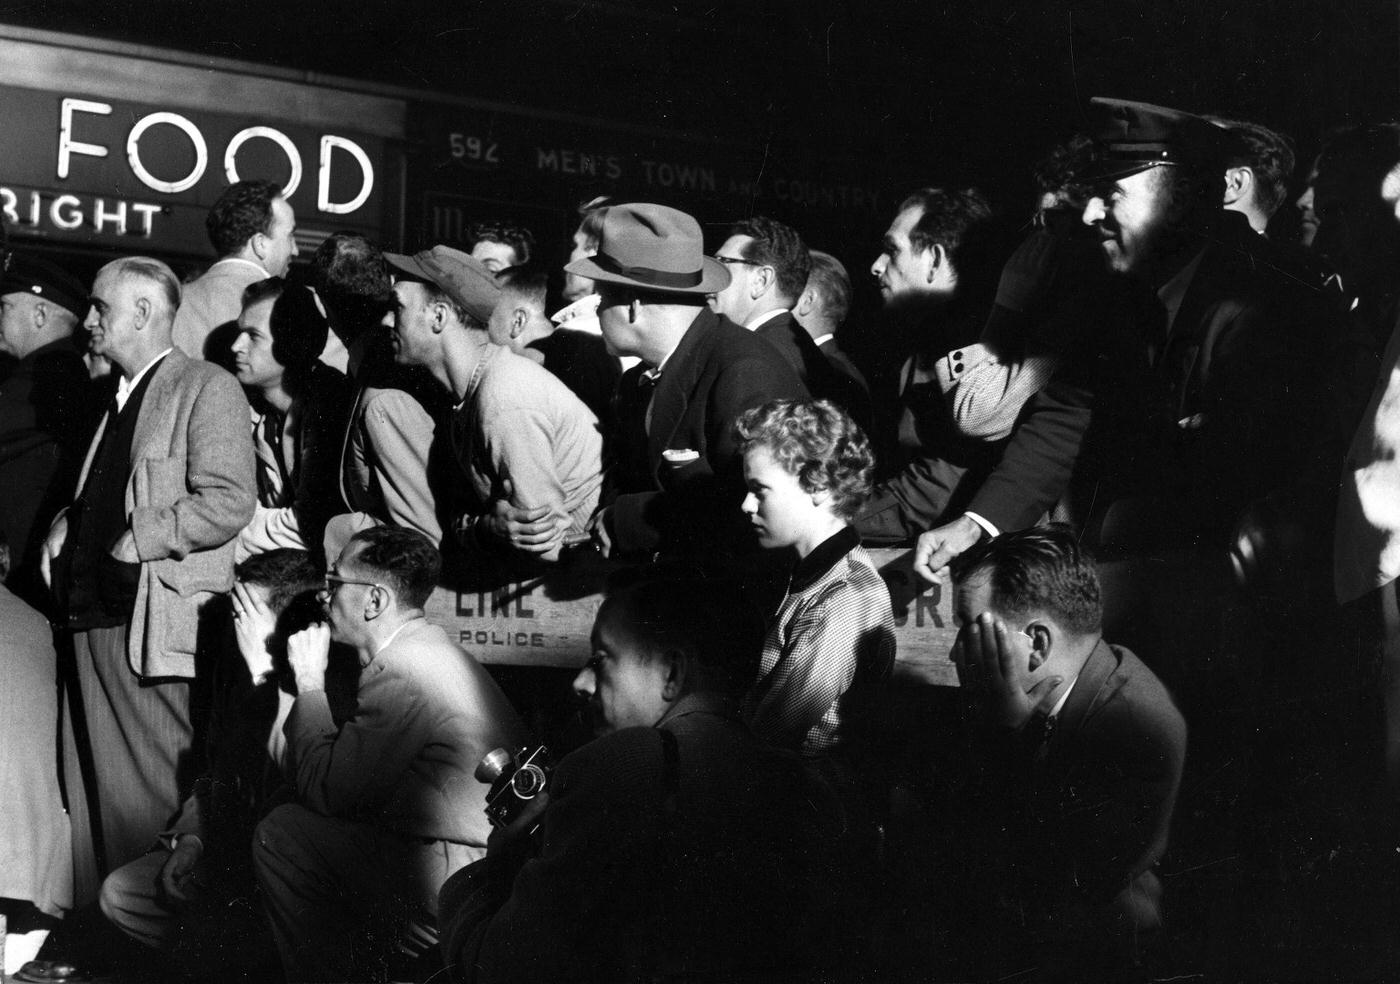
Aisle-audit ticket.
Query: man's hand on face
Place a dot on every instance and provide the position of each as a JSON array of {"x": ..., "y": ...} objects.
[
  {"x": 253, "y": 624},
  {"x": 308, "y": 652},
  {"x": 939, "y": 547},
  {"x": 999, "y": 674}
]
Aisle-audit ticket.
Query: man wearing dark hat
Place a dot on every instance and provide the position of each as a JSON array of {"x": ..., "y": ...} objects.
[
  {"x": 530, "y": 453},
  {"x": 679, "y": 476},
  {"x": 300, "y": 409},
  {"x": 1219, "y": 335},
  {"x": 46, "y": 416}
]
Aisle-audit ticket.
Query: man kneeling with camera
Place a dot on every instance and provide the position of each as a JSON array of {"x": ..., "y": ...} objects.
[{"x": 675, "y": 845}]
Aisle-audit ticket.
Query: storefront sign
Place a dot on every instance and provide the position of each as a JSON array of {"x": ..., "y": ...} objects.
[{"x": 137, "y": 176}]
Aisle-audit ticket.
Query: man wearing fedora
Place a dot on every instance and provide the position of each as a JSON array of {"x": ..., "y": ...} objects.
[
  {"x": 529, "y": 452},
  {"x": 679, "y": 478}
]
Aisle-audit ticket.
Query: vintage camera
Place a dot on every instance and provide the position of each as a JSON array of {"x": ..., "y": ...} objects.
[{"x": 514, "y": 780}]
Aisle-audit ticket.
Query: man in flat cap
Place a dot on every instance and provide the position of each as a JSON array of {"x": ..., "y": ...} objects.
[
  {"x": 46, "y": 416},
  {"x": 679, "y": 475},
  {"x": 529, "y": 451}
]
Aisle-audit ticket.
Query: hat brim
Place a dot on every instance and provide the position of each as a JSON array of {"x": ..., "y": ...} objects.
[
  {"x": 713, "y": 277},
  {"x": 408, "y": 265}
]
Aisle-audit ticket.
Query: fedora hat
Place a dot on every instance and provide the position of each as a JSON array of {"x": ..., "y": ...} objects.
[{"x": 655, "y": 248}]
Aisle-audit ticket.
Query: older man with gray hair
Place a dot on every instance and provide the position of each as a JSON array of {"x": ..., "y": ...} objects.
[{"x": 136, "y": 558}]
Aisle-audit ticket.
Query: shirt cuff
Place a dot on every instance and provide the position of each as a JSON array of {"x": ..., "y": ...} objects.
[{"x": 987, "y": 527}]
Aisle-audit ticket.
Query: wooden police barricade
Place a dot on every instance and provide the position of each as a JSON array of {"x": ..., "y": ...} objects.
[{"x": 547, "y": 621}]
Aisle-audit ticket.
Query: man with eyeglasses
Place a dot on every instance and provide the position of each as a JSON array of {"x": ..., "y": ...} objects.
[
  {"x": 679, "y": 479},
  {"x": 387, "y": 805},
  {"x": 768, "y": 265}
]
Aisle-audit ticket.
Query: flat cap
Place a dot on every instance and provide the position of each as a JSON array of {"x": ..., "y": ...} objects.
[
  {"x": 1133, "y": 136},
  {"x": 462, "y": 278},
  {"x": 29, "y": 275}
]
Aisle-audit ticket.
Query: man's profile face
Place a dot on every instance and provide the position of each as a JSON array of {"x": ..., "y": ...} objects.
[
  {"x": 409, "y": 320},
  {"x": 1356, "y": 223},
  {"x": 735, "y": 301},
  {"x": 972, "y": 597},
  {"x": 1130, "y": 216},
  {"x": 254, "y": 364},
  {"x": 623, "y": 688},
  {"x": 345, "y": 603},
  {"x": 1307, "y": 217},
  {"x": 494, "y": 256},
  {"x": 620, "y": 335},
  {"x": 16, "y": 315},
  {"x": 900, "y": 271},
  {"x": 281, "y": 239},
  {"x": 581, "y": 247},
  {"x": 112, "y": 313}
]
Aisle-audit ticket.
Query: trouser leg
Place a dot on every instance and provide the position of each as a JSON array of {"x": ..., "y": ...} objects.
[
  {"x": 134, "y": 902},
  {"x": 338, "y": 893},
  {"x": 142, "y": 740}
]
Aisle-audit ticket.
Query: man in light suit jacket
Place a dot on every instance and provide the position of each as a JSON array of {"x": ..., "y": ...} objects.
[
  {"x": 253, "y": 230},
  {"x": 147, "y": 544},
  {"x": 387, "y": 805},
  {"x": 679, "y": 474}
]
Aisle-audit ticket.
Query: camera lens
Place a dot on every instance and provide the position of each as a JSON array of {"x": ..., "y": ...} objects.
[{"x": 529, "y": 781}]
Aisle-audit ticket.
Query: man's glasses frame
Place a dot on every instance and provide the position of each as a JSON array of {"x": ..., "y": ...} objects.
[{"x": 334, "y": 581}]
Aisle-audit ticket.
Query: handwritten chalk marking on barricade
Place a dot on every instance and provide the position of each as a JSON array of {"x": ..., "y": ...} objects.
[{"x": 548, "y": 622}]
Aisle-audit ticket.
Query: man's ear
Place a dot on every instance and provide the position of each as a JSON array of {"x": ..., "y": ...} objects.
[
  {"x": 762, "y": 279},
  {"x": 519, "y": 318},
  {"x": 1238, "y": 182},
  {"x": 1042, "y": 642},
  {"x": 143, "y": 312},
  {"x": 377, "y": 603},
  {"x": 439, "y": 317},
  {"x": 674, "y": 684},
  {"x": 805, "y": 303},
  {"x": 634, "y": 307},
  {"x": 935, "y": 257}
]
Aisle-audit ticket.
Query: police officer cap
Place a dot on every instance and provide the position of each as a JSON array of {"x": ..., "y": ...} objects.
[
  {"x": 28, "y": 275},
  {"x": 1133, "y": 136}
]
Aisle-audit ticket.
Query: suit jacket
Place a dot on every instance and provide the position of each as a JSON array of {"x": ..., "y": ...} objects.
[
  {"x": 427, "y": 714},
  {"x": 213, "y": 299},
  {"x": 1088, "y": 810},
  {"x": 853, "y": 390},
  {"x": 687, "y": 851},
  {"x": 718, "y": 371},
  {"x": 190, "y": 490},
  {"x": 940, "y": 469},
  {"x": 46, "y": 421}
]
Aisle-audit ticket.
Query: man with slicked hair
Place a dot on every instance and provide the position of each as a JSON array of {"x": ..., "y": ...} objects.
[
  {"x": 137, "y": 558},
  {"x": 253, "y": 230}
]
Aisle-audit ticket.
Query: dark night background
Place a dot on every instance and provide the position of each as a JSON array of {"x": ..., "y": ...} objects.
[{"x": 924, "y": 92}]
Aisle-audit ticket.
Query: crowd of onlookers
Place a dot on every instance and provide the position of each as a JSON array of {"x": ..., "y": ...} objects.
[{"x": 1126, "y": 417}]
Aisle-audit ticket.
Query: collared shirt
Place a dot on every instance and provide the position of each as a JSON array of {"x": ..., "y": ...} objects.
[
  {"x": 249, "y": 263},
  {"x": 653, "y": 376},
  {"x": 763, "y": 319},
  {"x": 125, "y": 386},
  {"x": 821, "y": 340}
]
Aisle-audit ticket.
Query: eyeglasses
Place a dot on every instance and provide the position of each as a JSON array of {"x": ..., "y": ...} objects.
[
  {"x": 334, "y": 581},
  {"x": 736, "y": 260}
]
